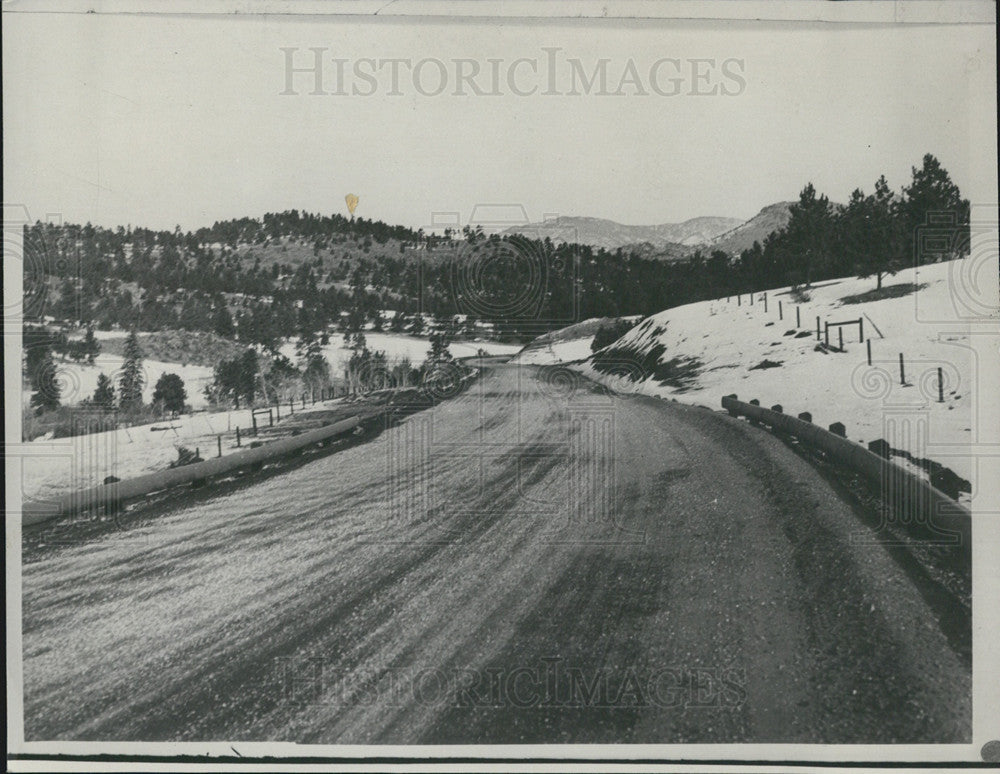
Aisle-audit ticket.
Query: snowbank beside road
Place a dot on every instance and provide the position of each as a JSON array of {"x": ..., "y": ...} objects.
[
  {"x": 700, "y": 352},
  {"x": 51, "y": 467},
  {"x": 567, "y": 344},
  {"x": 557, "y": 352},
  {"x": 57, "y": 466}
]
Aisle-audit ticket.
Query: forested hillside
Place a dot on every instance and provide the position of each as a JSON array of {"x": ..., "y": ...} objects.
[{"x": 295, "y": 274}]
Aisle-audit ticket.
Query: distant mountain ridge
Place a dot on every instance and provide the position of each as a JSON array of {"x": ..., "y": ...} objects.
[
  {"x": 736, "y": 240},
  {"x": 599, "y": 232}
]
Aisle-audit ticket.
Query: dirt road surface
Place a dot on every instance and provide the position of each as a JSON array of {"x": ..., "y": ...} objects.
[{"x": 534, "y": 560}]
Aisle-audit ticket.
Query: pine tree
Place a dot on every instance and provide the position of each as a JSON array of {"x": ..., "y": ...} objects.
[
  {"x": 104, "y": 395},
  {"x": 131, "y": 380},
  {"x": 882, "y": 233},
  {"x": 248, "y": 371},
  {"x": 91, "y": 346},
  {"x": 809, "y": 231},
  {"x": 933, "y": 202},
  {"x": 47, "y": 390},
  {"x": 222, "y": 321},
  {"x": 170, "y": 392}
]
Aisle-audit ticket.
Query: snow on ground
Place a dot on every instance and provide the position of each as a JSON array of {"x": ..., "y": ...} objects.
[
  {"x": 557, "y": 352},
  {"x": 397, "y": 346},
  {"x": 79, "y": 380},
  {"x": 54, "y": 467},
  {"x": 566, "y": 344},
  {"x": 729, "y": 341},
  {"x": 109, "y": 335}
]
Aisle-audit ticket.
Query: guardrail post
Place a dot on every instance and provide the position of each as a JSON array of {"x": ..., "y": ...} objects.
[
  {"x": 901, "y": 488},
  {"x": 881, "y": 448}
]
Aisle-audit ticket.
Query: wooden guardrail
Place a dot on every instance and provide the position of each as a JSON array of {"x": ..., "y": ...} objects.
[
  {"x": 114, "y": 494},
  {"x": 925, "y": 508}
]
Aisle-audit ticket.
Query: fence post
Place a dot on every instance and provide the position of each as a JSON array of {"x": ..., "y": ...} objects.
[
  {"x": 291, "y": 407},
  {"x": 277, "y": 410},
  {"x": 219, "y": 439},
  {"x": 798, "y": 318},
  {"x": 861, "y": 329},
  {"x": 765, "y": 302},
  {"x": 902, "y": 373},
  {"x": 869, "y": 344},
  {"x": 270, "y": 418},
  {"x": 817, "y": 328},
  {"x": 826, "y": 334},
  {"x": 739, "y": 300},
  {"x": 237, "y": 436},
  {"x": 254, "y": 418},
  {"x": 751, "y": 298},
  {"x": 840, "y": 336},
  {"x": 940, "y": 385},
  {"x": 781, "y": 312}
]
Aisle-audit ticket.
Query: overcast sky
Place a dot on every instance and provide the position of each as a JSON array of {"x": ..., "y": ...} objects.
[{"x": 178, "y": 120}]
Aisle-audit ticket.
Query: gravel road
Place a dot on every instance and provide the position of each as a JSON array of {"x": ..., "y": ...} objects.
[{"x": 532, "y": 561}]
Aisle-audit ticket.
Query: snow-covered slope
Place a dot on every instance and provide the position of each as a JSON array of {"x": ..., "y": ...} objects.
[
  {"x": 557, "y": 352},
  {"x": 566, "y": 344},
  {"x": 700, "y": 352}
]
